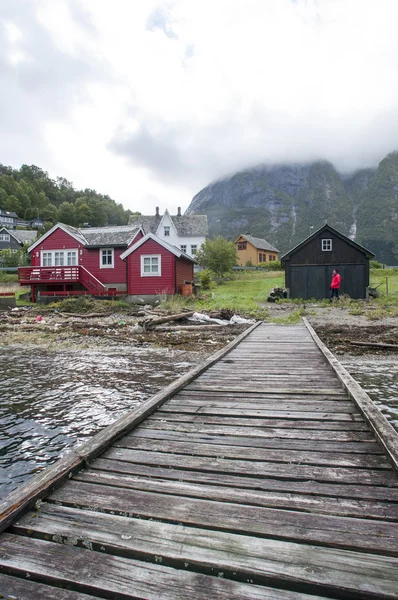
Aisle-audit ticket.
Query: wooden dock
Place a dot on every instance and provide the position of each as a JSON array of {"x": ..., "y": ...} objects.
[{"x": 266, "y": 473}]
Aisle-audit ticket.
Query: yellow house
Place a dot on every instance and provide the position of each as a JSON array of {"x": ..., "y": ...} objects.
[{"x": 254, "y": 250}]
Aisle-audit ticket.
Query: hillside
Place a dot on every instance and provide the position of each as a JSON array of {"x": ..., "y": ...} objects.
[
  {"x": 281, "y": 203},
  {"x": 30, "y": 192}
]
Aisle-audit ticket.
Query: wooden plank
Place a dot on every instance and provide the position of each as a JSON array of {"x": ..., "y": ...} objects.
[
  {"x": 360, "y": 447},
  {"x": 259, "y": 390},
  {"x": 337, "y": 490},
  {"x": 348, "y": 425},
  {"x": 265, "y": 469},
  {"x": 264, "y": 405},
  {"x": 114, "y": 576},
  {"x": 307, "y": 457},
  {"x": 271, "y": 414},
  {"x": 304, "y": 434},
  {"x": 37, "y": 487},
  {"x": 319, "y": 570},
  {"x": 16, "y": 588},
  {"x": 383, "y": 430},
  {"x": 385, "y": 511},
  {"x": 340, "y": 532}
]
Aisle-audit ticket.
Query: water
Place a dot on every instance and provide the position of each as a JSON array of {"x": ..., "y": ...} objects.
[
  {"x": 53, "y": 400},
  {"x": 378, "y": 376}
]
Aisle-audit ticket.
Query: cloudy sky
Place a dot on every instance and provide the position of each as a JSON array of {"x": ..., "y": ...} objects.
[{"x": 150, "y": 101}]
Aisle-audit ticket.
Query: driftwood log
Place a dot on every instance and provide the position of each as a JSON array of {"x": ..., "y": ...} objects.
[
  {"x": 148, "y": 324},
  {"x": 375, "y": 345}
]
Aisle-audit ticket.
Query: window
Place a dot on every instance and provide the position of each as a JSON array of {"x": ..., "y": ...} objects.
[
  {"x": 271, "y": 257},
  {"x": 166, "y": 231},
  {"x": 242, "y": 245},
  {"x": 106, "y": 261},
  {"x": 193, "y": 249},
  {"x": 4, "y": 237},
  {"x": 326, "y": 245},
  {"x": 58, "y": 258},
  {"x": 71, "y": 258},
  {"x": 46, "y": 259},
  {"x": 151, "y": 265},
  {"x": 183, "y": 248}
]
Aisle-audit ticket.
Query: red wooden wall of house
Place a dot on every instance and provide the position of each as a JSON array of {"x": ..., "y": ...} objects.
[
  {"x": 184, "y": 272},
  {"x": 165, "y": 283},
  {"x": 58, "y": 240}
]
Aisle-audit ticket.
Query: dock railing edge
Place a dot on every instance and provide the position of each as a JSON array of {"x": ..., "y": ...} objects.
[
  {"x": 45, "y": 482},
  {"x": 383, "y": 430}
]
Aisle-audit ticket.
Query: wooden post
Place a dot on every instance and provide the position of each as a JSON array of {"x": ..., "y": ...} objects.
[{"x": 386, "y": 286}]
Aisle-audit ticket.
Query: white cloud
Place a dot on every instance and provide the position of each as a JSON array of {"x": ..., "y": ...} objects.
[{"x": 149, "y": 101}]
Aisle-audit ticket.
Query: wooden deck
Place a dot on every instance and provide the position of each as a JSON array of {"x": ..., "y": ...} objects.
[{"x": 258, "y": 477}]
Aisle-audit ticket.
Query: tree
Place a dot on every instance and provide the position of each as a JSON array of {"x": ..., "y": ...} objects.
[
  {"x": 66, "y": 213},
  {"x": 219, "y": 255}
]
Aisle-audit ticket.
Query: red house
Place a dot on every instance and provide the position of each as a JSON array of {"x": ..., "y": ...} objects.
[
  {"x": 100, "y": 261},
  {"x": 156, "y": 267}
]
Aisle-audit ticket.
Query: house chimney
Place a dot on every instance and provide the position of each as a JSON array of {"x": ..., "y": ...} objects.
[
  {"x": 179, "y": 211},
  {"x": 157, "y": 211}
]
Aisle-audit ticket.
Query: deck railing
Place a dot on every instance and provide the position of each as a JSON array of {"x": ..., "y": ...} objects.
[{"x": 62, "y": 274}]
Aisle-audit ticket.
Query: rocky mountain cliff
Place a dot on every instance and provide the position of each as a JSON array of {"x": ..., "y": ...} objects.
[{"x": 283, "y": 202}]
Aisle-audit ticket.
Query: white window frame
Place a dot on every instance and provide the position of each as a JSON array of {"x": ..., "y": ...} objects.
[
  {"x": 107, "y": 266},
  {"x": 184, "y": 248},
  {"x": 4, "y": 237},
  {"x": 151, "y": 273},
  {"x": 166, "y": 230},
  {"x": 60, "y": 255},
  {"x": 194, "y": 249},
  {"x": 327, "y": 245}
]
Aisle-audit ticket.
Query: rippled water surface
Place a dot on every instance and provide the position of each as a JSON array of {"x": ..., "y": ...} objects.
[
  {"x": 50, "y": 401},
  {"x": 379, "y": 377}
]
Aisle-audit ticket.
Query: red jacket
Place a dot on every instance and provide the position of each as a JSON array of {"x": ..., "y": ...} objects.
[{"x": 335, "y": 285}]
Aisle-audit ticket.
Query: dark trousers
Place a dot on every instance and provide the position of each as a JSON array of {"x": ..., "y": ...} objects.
[{"x": 334, "y": 292}]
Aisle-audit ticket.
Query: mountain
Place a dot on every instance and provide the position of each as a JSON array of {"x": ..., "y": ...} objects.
[{"x": 284, "y": 202}]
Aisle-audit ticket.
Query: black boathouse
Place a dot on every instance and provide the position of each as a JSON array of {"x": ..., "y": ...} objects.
[{"x": 309, "y": 265}]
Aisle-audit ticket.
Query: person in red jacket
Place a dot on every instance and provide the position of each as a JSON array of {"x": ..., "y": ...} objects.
[{"x": 335, "y": 285}]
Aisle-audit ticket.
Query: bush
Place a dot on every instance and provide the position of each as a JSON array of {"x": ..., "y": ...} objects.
[
  {"x": 375, "y": 264},
  {"x": 274, "y": 265},
  {"x": 205, "y": 277},
  {"x": 249, "y": 263}
]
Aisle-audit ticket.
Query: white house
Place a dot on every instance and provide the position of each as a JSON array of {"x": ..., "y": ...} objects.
[{"x": 187, "y": 232}]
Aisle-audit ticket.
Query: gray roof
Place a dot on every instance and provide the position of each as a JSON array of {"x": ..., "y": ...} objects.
[
  {"x": 76, "y": 232},
  {"x": 109, "y": 236},
  {"x": 259, "y": 243},
  {"x": 24, "y": 235},
  {"x": 186, "y": 225},
  {"x": 6, "y": 213}
]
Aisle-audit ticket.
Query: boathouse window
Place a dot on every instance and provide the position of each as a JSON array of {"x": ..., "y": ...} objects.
[
  {"x": 4, "y": 237},
  {"x": 151, "y": 265},
  {"x": 46, "y": 259},
  {"x": 71, "y": 258},
  {"x": 167, "y": 231},
  {"x": 106, "y": 258},
  {"x": 183, "y": 248},
  {"x": 242, "y": 245},
  {"x": 193, "y": 249},
  {"x": 326, "y": 245}
]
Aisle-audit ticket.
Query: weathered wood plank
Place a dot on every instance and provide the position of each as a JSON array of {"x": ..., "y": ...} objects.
[
  {"x": 385, "y": 511},
  {"x": 261, "y": 560},
  {"x": 304, "y": 434},
  {"x": 338, "y": 459},
  {"x": 259, "y": 389},
  {"x": 361, "y": 447},
  {"x": 340, "y": 532},
  {"x": 265, "y": 469},
  {"x": 268, "y": 414},
  {"x": 16, "y": 588},
  {"x": 115, "y": 576},
  {"x": 315, "y": 488},
  {"x": 348, "y": 425}
]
